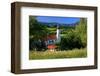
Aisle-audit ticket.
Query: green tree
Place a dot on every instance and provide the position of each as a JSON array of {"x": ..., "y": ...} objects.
[
  {"x": 81, "y": 30},
  {"x": 37, "y": 32},
  {"x": 75, "y": 37}
]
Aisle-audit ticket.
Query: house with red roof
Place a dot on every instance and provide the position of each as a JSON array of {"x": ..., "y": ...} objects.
[
  {"x": 52, "y": 39},
  {"x": 50, "y": 42}
]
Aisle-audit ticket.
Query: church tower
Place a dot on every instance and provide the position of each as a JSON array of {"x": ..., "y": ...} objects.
[{"x": 58, "y": 38}]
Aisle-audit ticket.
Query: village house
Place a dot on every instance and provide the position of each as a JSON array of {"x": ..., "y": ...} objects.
[{"x": 52, "y": 39}]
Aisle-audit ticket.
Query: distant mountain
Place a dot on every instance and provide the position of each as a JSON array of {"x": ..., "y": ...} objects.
[{"x": 58, "y": 24}]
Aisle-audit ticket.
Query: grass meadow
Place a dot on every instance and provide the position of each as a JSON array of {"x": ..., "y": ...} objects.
[{"x": 75, "y": 53}]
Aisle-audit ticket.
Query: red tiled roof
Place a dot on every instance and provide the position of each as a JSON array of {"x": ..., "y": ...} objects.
[
  {"x": 52, "y": 46},
  {"x": 51, "y": 37}
]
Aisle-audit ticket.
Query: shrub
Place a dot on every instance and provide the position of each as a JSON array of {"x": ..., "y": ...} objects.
[
  {"x": 70, "y": 41},
  {"x": 75, "y": 38}
]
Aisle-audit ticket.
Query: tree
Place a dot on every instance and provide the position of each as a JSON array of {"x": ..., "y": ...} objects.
[
  {"x": 75, "y": 37},
  {"x": 37, "y": 32},
  {"x": 81, "y": 30}
]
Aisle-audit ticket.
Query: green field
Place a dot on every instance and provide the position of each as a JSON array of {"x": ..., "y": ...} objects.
[{"x": 75, "y": 53}]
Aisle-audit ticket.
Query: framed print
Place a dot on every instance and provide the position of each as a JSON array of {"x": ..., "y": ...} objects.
[{"x": 52, "y": 37}]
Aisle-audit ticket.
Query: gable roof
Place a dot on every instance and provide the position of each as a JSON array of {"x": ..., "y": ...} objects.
[
  {"x": 51, "y": 46},
  {"x": 50, "y": 37}
]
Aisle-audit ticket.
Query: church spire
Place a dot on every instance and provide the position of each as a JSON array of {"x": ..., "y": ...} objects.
[{"x": 58, "y": 34}]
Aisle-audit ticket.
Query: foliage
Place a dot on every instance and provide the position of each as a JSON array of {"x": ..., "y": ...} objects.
[
  {"x": 37, "y": 31},
  {"x": 75, "y": 38},
  {"x": 70, "y": 41},
  {"x": 81, "y": 30}
]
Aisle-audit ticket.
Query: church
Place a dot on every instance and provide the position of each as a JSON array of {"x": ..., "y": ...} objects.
[{"x": 52, "y": 39}]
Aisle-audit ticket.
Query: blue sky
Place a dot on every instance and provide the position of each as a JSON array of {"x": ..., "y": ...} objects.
[{"x": 62, "y": 20}]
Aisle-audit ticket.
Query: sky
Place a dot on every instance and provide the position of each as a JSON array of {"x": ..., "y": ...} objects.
[{"x": 61, "y": 20}]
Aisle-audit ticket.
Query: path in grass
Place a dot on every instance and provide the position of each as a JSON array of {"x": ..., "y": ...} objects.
[{"x": 75, "y": 53}]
